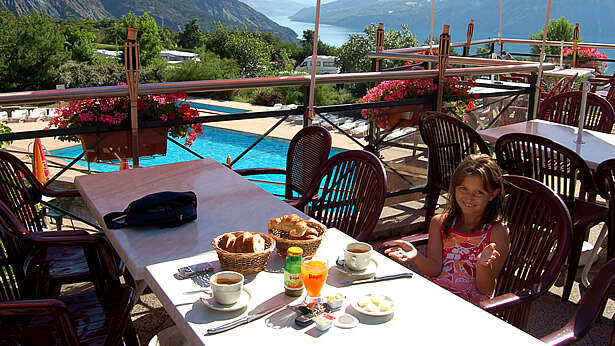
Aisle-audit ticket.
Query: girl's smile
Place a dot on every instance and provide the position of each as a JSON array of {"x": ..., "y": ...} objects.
[{"x": 472, "y": 196}]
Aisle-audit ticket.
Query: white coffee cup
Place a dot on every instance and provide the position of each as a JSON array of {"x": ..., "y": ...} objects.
[
  {"x": 226, "y": 287},
  {"x": 357, "y": 255}
]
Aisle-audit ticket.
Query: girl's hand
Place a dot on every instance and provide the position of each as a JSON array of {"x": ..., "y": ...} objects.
[
  {"x": 402, "y": 251},
  {"x": 488, "y": 256}
]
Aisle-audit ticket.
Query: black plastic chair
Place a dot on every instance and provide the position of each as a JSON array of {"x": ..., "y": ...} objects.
[
  {"x": 348, "y": 193},
  {"x": 100, "y": 317},
  {"x": 561, "y": 169},
  {"x": 308, "y": 150}
]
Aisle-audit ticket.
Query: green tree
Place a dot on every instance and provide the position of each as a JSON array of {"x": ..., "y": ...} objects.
[
  {"x": 169, "y": 37},
  {"x": 352, "y": 55},
  {"x": 80, "y": 43},
  {"x": 192, "y": 35},
  {"x": 210, "y": 67},
  {"x": 148, "y": 36},
  {"x": 557, "y": 30},
  {"x": 307, "y": 45},
  {"x": 32, "y": 53}
]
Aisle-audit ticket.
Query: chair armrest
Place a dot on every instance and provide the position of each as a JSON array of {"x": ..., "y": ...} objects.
[
  {"x": 96, "y": 247},
  {"x": 256, "y": 171},
  {"x": 563, "y": 336},
  {"x": 505, "y": 301},
  {"x": 52, "y": 234},
  {"x": 44, "y": 307},
  {"x": 60, "y": 193},
  {"x": 415, "y": 239}
]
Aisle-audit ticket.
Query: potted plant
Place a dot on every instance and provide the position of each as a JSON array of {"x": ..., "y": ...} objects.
[
  {"x": 585, "y": 56},
  {"x": 456, "y": 94},
  {"x": 115, "y": 112}
]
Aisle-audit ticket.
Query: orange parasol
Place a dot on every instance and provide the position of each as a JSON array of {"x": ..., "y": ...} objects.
[{"x": 39, "y": 162}]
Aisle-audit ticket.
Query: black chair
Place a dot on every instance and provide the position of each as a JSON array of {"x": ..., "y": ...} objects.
[
  {"x": 348, "y": 193},
  {"x": 560, "y": 169},
  {"x": 308, "y": 150},
  {"x": 540, "y": 233},
  {"x": 589, "y": 309},
  {"x": 20, "y": 191},
  {"x": 100, "y": 317},
  {"x": 448, "y": 141}
]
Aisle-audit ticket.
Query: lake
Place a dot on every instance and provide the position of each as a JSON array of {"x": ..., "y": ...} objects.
[{"x": 329, "y": 34}]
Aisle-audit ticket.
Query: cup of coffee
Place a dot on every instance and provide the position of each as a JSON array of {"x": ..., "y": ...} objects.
[
  {"x": 357, "y": 255},
  {"x": 226, "y": 287}
]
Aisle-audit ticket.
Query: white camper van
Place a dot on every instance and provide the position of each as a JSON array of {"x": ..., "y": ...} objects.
[{"x": 324, "y": 64}]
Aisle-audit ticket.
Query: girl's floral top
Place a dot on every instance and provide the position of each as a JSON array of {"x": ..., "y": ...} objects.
[
  {"x": 110, "y": 112},
  {"x": 394, "y": 90}
]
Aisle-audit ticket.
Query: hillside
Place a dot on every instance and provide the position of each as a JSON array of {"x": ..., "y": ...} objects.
[
  {"x": 273, "y": 8},
  {"x": 521, "y": 17},
  {"x": 174, "y": 13},
  {"x": 91, "y": 9}
]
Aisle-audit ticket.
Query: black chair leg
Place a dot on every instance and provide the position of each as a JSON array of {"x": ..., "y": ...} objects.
[
  {"x": 130, "y": 335},
  {"x": 573, "y": 262}
]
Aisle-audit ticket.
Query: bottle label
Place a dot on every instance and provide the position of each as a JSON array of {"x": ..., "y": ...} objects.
[{"x": 292, "y": 281}]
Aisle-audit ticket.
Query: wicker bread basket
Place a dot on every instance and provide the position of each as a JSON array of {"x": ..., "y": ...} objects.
[
  {"x": 283, "y": 241},
  {"x": 244, "y": 263}
]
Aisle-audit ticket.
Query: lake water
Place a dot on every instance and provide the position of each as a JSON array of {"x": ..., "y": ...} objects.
[{"x": 329, "y": 34}]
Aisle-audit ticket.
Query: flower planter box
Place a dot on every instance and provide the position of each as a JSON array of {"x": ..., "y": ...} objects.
[
  {"x": 407, "y": 116},
  {"x": 151, "y": 142}
]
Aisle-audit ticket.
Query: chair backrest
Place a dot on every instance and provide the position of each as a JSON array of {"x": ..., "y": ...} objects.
[
  {"x": 540, "y": 234},
  {"x": 13, "y": 253},
  {"x": 449, "y": 141},
  {"x": 588, "y": 310},
  {"x": 542, "y": 159},
  {"x": 564, "y": 108},
  {"x": 308, "y": 151},
  {"x": 349, "y": 193},
  {"x": 19, "y": 191}
]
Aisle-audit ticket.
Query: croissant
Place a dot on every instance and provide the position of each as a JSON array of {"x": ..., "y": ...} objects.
[{"x": 296, "y": 227}]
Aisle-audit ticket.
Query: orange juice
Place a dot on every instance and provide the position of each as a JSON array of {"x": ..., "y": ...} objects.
[{"x": 314, "y": 272}]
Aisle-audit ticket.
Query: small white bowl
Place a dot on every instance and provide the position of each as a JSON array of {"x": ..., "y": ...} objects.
[
  {"x": 324, "y": 321},
  {"x": 335, "y": 300}
]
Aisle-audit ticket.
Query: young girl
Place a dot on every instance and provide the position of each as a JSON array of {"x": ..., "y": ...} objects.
[{"x": 467, "y": 245}]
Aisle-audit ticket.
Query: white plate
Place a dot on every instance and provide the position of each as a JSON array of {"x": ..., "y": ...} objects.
[
  {"x": 369, "y": 271},
  {"x": 243, "y": 301},
  {"x": 356, "y": 306}
]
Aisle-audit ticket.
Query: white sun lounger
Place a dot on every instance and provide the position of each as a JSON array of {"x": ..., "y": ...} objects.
[{"x": 360, "y": 130}]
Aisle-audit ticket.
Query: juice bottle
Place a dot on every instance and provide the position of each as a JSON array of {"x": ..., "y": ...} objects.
[{"x": 293, "y": 285}]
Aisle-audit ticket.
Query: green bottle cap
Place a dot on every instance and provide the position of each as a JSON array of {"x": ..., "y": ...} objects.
[{"x": 295, "y": 251}]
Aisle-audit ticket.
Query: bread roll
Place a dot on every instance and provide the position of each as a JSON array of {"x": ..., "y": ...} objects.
[
  {"x": 244, "y": 243},
  {"x": 258, "y": 243}
]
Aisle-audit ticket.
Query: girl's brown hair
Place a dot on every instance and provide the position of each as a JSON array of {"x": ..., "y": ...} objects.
[{"x": 490, "y": 173}]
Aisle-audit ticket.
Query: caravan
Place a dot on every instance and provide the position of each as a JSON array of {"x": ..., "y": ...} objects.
[{"x": 324, "y": 64}]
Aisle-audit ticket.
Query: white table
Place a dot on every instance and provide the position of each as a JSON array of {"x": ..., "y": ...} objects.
[
  {"x": 226, "y": 202},
  {"x": 596, "y": 147},
  {"x": 569, "y": 72},
  {"x": 424, "y": 312}
]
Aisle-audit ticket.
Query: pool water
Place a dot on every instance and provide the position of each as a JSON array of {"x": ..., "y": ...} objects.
[{"x": 217, "y": 144}]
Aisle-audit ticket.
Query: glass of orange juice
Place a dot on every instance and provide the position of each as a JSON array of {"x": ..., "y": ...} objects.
[{"x": 314, "y": 271}]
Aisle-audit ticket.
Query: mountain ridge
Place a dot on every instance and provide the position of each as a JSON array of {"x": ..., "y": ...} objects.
[{"x": 174, "y": 13}]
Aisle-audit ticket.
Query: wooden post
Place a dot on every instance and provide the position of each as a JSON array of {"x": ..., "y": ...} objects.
[
  {"x": 575, "y": 44},
  {"x": 133, "y": 69},
  {"x": 443, "y": 51},
  {"x": 466, "y": 49},
  {"x": 379, "y": 44}
]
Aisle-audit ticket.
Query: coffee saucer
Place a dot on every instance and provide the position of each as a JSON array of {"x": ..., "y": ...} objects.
[
  {"x": 369, "y": 271},
  {"x": 241, "y": 303}
]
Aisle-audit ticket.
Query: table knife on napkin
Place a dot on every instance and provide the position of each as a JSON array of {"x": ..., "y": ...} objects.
[
  {"x": 252, "y": 316},
  {"x": 377, "y": 278}
]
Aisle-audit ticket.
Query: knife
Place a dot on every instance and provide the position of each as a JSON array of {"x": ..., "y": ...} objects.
[
  {"x": 376, "y": 279},
  {"x": 241, "y": 321}
]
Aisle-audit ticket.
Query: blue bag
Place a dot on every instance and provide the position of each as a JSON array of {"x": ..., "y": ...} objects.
[{"x": 161, "y": 209}]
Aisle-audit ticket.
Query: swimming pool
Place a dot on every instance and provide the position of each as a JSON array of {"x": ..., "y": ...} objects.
[
  {"x": 217, "y": 144},
  {"x": 216, "y": 108}
]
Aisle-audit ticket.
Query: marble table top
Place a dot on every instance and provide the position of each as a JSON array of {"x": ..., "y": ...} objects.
[
  {"x": 595, "y": 147},
  {"x": 226, "y": 202}
]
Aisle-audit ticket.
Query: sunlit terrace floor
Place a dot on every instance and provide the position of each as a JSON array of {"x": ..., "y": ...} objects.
[{"x": 548, "y": 314}]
